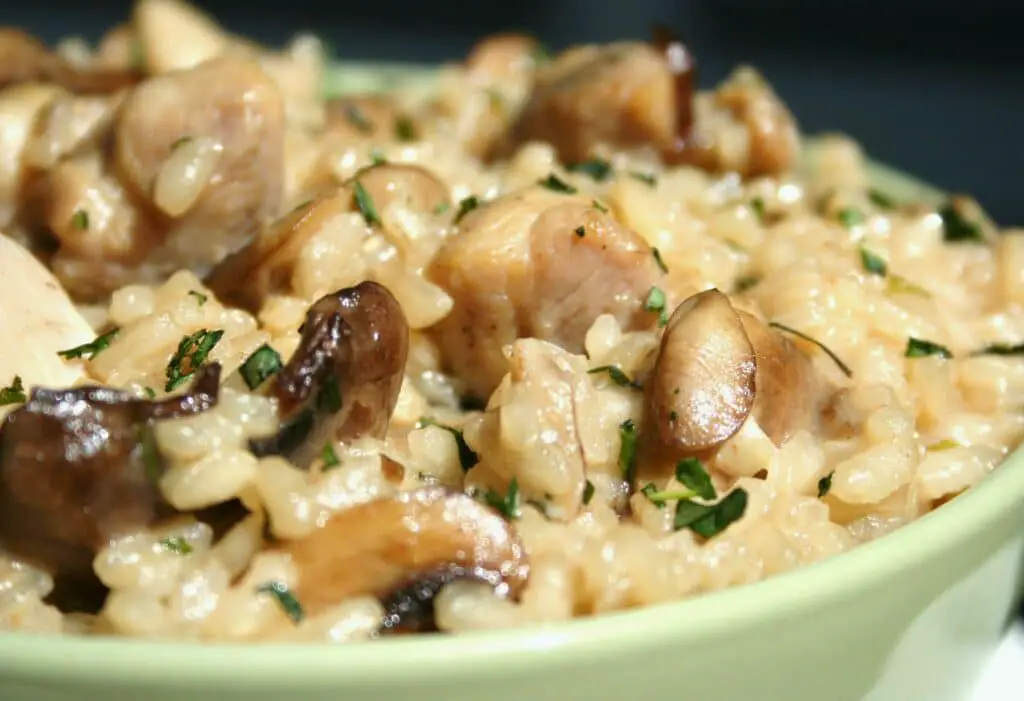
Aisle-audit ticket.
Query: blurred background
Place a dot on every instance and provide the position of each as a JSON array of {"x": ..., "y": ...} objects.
[{"x": 932, "y": 88}]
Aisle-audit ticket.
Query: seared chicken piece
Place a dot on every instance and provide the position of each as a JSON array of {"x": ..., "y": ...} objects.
[
  {"x": 536, "y": 264},
  {"x": 174, "y": 35}
]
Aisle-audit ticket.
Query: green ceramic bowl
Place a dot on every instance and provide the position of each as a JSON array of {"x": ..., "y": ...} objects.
[{"x": 910, "y": 617}]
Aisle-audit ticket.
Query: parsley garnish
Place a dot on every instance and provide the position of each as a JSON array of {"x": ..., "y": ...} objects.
[
  {"x": 264, "y": 362},
  {"x": 357, "y": 119},
  {"x": 190, "y": 356},
  {"x": 556, "y": 184},
  {"x": 14, "y": 393},
  {"x": 627, "y": 450},
  {"x": 745, "y": 282},
  {"x": 691, "y": 473},
  {"x": 873, "y": 263},
  {"x": 645, "y": 178},
  {"x": 329, "y": 457},
  {"x": 956, "y": 227},
  {"x": 468, "y": 457},
  {"x": 80, "y": 220},
  {"x": 757, "y": 204},
  {"x": 580, "y": 231},
  {"x": 442, "y": 207},
  {"x": 597, "y": 168},
  {"x": 176, "y": 544},
  {"x": 92, "y": 349},
  {"x": 919, "y": 348},
  {"x": 200, "y": 297},
  {"x": 944, "y": 444},
  {"x": 150, "y": 392},
  {"x": 650, "y": 490},
  {"x": 289, "y": 604},
  {"x": 466, "y": 205},
  {"x": 898, "y": 284},
  {"x": 843, "y": 367},
  {"x": 708, "y": 520},
  {"x": 656, "y": 302},
  {"x": 881, "y": 200},
  {"x": 365, "y": 204},
  {"x": 151, "y": 462},
  {"x": 850, "y": 217},
  {"x": 1002, "y": 349},
  {"x": 588, "y": 492},
  {"x": 616, "y": 374},
  {"x": 659, "y": 260},
  {"x": 508, "y": 505},
  {"x": 825, "y": 484},
  {"x": 377, "y": 157},
  {"x": 404, "y": 130},
  {"x": 599, "y": 207}
]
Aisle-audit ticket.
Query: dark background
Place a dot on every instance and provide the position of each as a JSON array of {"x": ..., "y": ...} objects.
[{"x": 936, "y": 88}]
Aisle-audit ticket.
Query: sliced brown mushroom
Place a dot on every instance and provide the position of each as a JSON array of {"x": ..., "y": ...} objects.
[
  {"x": 24, "y": 59},
  {"x": 79, "y": 467},
  {"x": 344, "y": 378},
  {"x": 386, "y": 546}
]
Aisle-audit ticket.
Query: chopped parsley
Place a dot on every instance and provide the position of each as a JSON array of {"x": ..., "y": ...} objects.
[
  {"x": 881, "y": 200},
  {"x": 944, "y": 444},
  {"x": 177, "y": 545},
  {"x": 1002, "y": 349},
  {"x": 825, "y": 484},
  {"x": 404, "y": 129},
  {"x": 627, "y": 450},
  {"x": 377, "y": 157},
  {"x": 556, "y": 184},
  {"x": 898, "y": 284},
  {"x": 745, "y": 282},
  {"x": 659, "y": 260},
  {"x": 200, "y": 297},
  {"x": 691, "y": 473},
  {"x": 708, "y": 520},
  {"x": 616, "y": 375},
  {"x": 264, "y": 362},
  {"x": 149, "y": 392},
  {"x": 843, "y": 367},
  {"x": 757, "y": 205},
  {"x": 13, "y": 393},
  {"x": 599, "y": 207},
  {"x": 588, "y": 492},
  {"x": 151, "y": 462},
  {"x": 80, "y": 220},
  {"x": 645, "y": 178},
  {"x": 289, "y": 604},
  {"x": 580, "y": 231},
  {"x": 919, "y": 348},
  {"x": 442, "y": 207},
  {"x": 956, "y": 228},
  {"x": 597, "y": 168},
  {"x": 328, "y": 400},
  {"x": 507, "y": 505},
  {"x": 468, "y": 457},
  {"x": 190, "y": 356},
  {"x": 92, "y": 349},
  {"x": 365, "y": 204},
  {"x": 329, "y": 457},
  {"x": 850, "y": 217},
  {"x": 466, "y": 205},
  {"x": 873, "y": 263},
  {"x": 656, "y": 302},
  {"x": 650, "y": 490},
  {"x": 356, "y": 118}
]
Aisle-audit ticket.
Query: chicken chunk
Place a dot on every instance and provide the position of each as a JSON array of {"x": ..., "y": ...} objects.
[
  {"x": 536, "y": 264},
  {"x": 24, "y": 59}
]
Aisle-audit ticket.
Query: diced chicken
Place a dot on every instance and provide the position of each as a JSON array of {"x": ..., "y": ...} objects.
[
  {"x": 536, "y": 264},
  {"x": 174, "y": 35}
]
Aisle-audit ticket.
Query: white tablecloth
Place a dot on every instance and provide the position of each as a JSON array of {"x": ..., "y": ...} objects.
[{"x": 1004, "y": 677}]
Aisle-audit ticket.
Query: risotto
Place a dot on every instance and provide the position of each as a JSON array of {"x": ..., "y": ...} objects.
[{"x": 554, "y": 337}]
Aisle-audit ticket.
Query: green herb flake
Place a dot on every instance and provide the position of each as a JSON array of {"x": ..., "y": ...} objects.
[
  {"x": 377, "y": 157},
  {"x": 599, "y": 207},
  {"x": 881, "y": 200},
  {"x": 645, "y": 178},
  {"x": 13, "y": 393},
  {"x": 843, "y": 367},
  {"x": 757, "y": 205},
  {"x": 468, "y": 457},
  {"x": 660, "y": 498},
  {"x": 190, "y": 356},
  {"x": 897, "y": 284},
  {"x": 956, "y": 228},
  {"x": 588, "y": 492},
  {"x": 708, "y": 520},
  {"x": 181, "y": 141},
  {"x": 404, "y": 129},
  {"x": 616, "y": 375},
  {"x": 656, "y": 302},
  {"x": 850, "y": 217},
  {"x": 328, "y": 400},
  {"x": 149, "y": 392},
  {"x": 152, "y": 463},
  {"x": 176, "y": 545},
  {"x": 507, "y": 505},
  {"x": 659, "y": 260},
  {"x": 627, "y": 450},
  {"x": 329, "y": 457},
  {"x": 944, "y": 444},
  {"x": 825, "y": 484},
  {"x": 92, "y": 349},
  {"x": 466, "y": 205},
  {"x": 597, "y": 168},
  {"x": 442, "y": 207},
  {"x": 258, "y": 367},
  {"x": 580, "y": 231},
  {"x": 1002, "y": 349},
  {"x": 356, "y": 118},
  {"x": 540, "y": 54},
  {"x": 691, "y": 472},
  {"x": 289, "y": 604},
  {"x": 746, "y": 282},
  {"x": 556, "y": 184},
  {"x": 873, "y": 263},
  {"x": 200, "y": 297},
  {"x": 365, "y": 204},
  {"x": 650, "y": 490},
  {"x": 80, "y": 220},
  {"x": 920, "y": 348}
]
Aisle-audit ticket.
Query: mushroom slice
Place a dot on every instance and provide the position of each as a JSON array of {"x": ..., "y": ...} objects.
[
  {"x": 80, "y": 466},
  {"x": 702, "y": 386},
  {"x": 24, "y": 59},
  {"x": 343, "y": 380},
  {"x": 384, "y": 546}
]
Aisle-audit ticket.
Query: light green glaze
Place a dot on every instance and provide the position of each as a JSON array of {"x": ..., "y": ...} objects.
[{"x": 910, "y": 617}]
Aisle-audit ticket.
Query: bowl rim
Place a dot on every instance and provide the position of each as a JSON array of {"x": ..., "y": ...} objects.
[{"x": 147, "y": 662}]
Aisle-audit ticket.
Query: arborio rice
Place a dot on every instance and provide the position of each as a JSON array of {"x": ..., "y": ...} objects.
[{"x": 556, "y": 338}]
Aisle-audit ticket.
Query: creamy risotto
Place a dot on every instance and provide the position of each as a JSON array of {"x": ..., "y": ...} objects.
[{"x": 549, "y": 337}]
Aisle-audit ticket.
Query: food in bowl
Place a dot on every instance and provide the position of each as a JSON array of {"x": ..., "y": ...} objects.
[{"x": 558, "y": 336}]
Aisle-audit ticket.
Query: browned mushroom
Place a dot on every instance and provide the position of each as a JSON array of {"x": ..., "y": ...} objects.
[
  {"x": 25, "y": 59},
  {"x": 536, "y": 264},
  {"x": 386, "y": 546},
  {"x": 79, "y": 467},
  {"x": 343, "y": 380}
]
